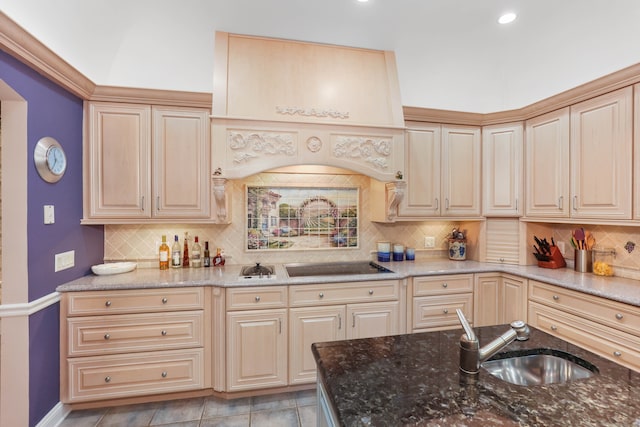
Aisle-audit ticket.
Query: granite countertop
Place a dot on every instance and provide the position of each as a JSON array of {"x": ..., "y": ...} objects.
[
  {"x": 414, "y": 380},
  {"x": 614, "y": 288}
]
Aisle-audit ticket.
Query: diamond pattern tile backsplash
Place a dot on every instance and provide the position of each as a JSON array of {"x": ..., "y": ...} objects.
[{"x": 138, "y": 242}]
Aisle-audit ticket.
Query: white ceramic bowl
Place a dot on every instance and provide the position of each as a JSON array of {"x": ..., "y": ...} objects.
[{"x": 113, "y": 268}]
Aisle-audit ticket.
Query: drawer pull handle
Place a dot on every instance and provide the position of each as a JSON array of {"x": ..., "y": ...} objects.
[
  {"x": 617, "y": 354},
  {"x": 444, "y": 285},
  {"x": 445, "y": 311},
  {"x": 257, "y": 298},
  {"x": 164, "y": 300},
  {"x": 164, "y": 374},
  {"x": 554, "y": 328},
  {"x": 107, "y": 304},
  {"x": 164, "y": 333},
  {"x": 107, "y": 380},
  {"x": 370, "y": 291},
  {"x": 321, "y": 294},
  {"x": 339, "y": 321},
  {"x": 556, "y": 297},
  {"x": 107, "y": 336},
  {"x": 619, "y": 316}
]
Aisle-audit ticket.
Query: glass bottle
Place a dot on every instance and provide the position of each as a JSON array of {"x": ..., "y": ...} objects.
[
  {"x": 185, "y": 251},
  {"x": 176, "y": 255},
  {"x": 218, "y": 260},
  {"x": 163, "y": 254},
  {"x": 207, "y": 256},
  {"x": 196, "y": 256}
]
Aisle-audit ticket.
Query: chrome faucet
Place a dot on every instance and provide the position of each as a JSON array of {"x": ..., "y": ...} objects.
[{"x": 471, "y": 355}]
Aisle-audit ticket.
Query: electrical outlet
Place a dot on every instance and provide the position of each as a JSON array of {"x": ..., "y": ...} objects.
[
  {"x": 561, "y": 247},
  {"x": 429, "y": 242},
  {"x": 65, "y": 260}
]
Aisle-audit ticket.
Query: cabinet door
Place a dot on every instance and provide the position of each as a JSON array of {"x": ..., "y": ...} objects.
[
  {"x": 422, "y": 168},
  {"x": 461, "y": 177},
  {"x": 119, "y": 153},
  {"x": 547, "y": 165},
  {"x": 181, "y": 163},
  {"x": 307, "y": 326},
  {"x": 486, "y": 300},
  {"x": 372, "y": 319},
  {"x": 601, "y": 156},
  {"x": 502, "y": 170},
  {"x": 256, "y": 349},
  {"x": 514, "y": 299}
]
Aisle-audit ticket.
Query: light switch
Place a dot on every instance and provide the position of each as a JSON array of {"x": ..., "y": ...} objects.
[{"x": 49, "y": 214}]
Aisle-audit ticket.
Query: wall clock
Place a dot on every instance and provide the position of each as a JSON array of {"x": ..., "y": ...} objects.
[{"x": 50, "y": 160}]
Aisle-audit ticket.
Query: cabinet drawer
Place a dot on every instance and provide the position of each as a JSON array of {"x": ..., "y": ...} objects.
[
  {"x": 116, "y": 376},
  {"x": 258, "y": 297},
  {"x": 122, "y": 333},
  {"x": 343, "y": 293},
  {"x": 609, "y": 343},
  {"x": 611, "y": 313},
  {"x": 440, "y": 311},
  {"x": 439, "y": 285},
  {"x": 94, "y": 303}
]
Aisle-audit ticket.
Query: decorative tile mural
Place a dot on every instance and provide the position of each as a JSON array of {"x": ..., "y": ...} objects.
[{"x": 298, "y": 218}]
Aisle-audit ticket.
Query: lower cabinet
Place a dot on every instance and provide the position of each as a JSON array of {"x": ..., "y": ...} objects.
[
  {"x": 434, "y": 301},
  {"x": 499, "y": 298}
]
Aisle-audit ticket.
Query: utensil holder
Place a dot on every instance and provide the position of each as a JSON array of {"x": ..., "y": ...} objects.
[
  {"x": 583, "y": 261},
  {"x": 557, "y": 260}
]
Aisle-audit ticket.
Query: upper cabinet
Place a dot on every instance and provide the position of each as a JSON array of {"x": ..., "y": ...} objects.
[
  {"x": 588, "y": 175},
  {"x": 443, "y": 172},
  {"x": 282, "y": 102},
  {"x": 502, "y": 170},
  {"x": 145, "y": 163}
]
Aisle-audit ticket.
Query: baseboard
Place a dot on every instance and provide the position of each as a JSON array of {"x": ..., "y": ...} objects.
[{"x": 55, "y": 417}]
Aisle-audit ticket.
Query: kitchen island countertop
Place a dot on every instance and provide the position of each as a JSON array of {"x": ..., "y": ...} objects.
[
  {"x": 613, "y": 288},
  {"x": 414, "y": 380}
]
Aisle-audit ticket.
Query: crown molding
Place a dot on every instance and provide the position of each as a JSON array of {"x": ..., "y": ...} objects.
[
  {"x": 151, "y": 96},
  {"x": 18, "y": 43}
]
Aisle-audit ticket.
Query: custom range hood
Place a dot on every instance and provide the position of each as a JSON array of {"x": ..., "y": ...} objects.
[{"x": 281, "y": 103}]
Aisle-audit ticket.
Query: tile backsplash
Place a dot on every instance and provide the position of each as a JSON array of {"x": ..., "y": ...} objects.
[{"x": 138, "y": 242}]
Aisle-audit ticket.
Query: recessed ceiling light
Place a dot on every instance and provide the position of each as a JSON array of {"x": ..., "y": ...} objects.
[
  {"x": 363, "y": 1},
  {"x": 507, "y": 18}
]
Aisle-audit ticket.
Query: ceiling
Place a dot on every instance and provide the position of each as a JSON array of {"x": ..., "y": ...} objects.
[{"x": 451, "y": 54}]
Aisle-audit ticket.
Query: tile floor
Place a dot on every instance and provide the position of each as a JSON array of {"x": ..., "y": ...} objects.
[{"x": 279, "y": 410}]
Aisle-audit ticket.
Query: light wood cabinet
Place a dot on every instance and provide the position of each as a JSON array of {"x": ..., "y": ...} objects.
[
  {"x": 145, "y": 163},
  {"x": 443, "y": 165},
  {"x": 502, "y": 178},
  {"x": 499, "y": 298},
  {"x": 434, "y": 301},
  {"x": 373, "y": 319},
  {"x": 608, "y": 328},
  {"x": 128, "y": 343}
]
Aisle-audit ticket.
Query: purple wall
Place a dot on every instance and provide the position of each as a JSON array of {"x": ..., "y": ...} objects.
[{"x": 51, "y": 111}]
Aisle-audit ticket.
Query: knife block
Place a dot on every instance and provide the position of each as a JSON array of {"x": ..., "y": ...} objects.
[{"x": 557, "y": 260}]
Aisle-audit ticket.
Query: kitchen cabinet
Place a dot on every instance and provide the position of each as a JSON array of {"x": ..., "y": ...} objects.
[
  {"x": 336, "y": 311},
  {"x": 129, "y": 343},
  {"x": 608, "y": 328},
  {"x": 443, "y": 172},
  {"x": 256, "y": 338},
  {"x": 499, "y": 298},
  {"x": 146, "y": 163},
  {"x": 434, "y": 301},
  {"x": 502, "y": 147}
]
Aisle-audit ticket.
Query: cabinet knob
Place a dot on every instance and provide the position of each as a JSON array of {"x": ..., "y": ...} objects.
[
  {"x": 107, "y": 336},
  {"x": 556, "y": 297},
  {"x": 164, "y": 300},
  {"x": 619, "y": 316},
  {"x": 164, "y": 374},
  {"x": 321, "y": 294},
  {"x": 502, "y": 259},
  {"x": 554, "y": 328},
  {"x": 445, "y": 311},
  {"x": 617, "y": 354},
  {"x": 370, "y": 291},
  {"x": 164, "y": 333},
  {"x": 107, "y": 379},
  {"x": 444, "y": 285},
  {"x": 107, "y": 304},
  {"x": 257, "y": 298}
]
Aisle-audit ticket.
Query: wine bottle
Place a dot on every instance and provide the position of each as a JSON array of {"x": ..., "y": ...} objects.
[
  {"x": 196, "y": 257},
  {"x": 163, "y": 254},
  {"x": 176, "y": 255},
  {"x": 185, "y": 251},
  {"x": 207, "y": 256}
]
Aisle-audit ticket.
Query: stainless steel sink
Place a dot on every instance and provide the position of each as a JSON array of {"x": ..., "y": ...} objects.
[
  {"x": 539, "y": 366},
  {"x": 334, "y": 268}
]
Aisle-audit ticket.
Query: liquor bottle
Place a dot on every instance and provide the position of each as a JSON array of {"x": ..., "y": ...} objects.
[
  {"x": 176, "y": 255},
  {"x": 196, "y": 257},
  {"x": 163, "y": 254},
  {"x": 185, "y": 251},
  {"x": 207, "y": 256},
  {"x": 218, "y": 260}
]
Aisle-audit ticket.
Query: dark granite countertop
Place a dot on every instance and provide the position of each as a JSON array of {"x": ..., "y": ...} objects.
[{"x": 414, "y": 380}]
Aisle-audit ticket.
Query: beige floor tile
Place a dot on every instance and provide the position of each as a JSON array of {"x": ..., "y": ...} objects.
[
  {"x": 275, "y": 418},
  {"x": 243, "y": 420},
  {"x": 176, "y": 411},
  {"x": 273, "y": 402}
]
